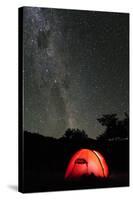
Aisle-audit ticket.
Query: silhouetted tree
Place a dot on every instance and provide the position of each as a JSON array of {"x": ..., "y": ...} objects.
[
  {"x": 115, "y": 128},
  {"x": 75, "y": 134},
  {"x": 123, "y": 127},
  {"x": 108, "y": 120}
]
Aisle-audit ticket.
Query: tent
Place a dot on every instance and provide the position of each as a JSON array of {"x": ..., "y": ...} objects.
[{"x": 86, "y": 162}]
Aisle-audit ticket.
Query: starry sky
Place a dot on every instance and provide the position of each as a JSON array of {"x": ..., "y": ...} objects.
[{"x": 75, "y": 69}]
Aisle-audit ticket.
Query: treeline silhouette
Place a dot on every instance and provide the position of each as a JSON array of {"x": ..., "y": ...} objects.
[
  {"x": 115, "y": 128},
  {"x": 46, "y": 158}
]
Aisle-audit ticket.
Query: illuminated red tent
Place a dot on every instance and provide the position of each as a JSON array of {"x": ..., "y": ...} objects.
[{"x": 86, "y": 162}]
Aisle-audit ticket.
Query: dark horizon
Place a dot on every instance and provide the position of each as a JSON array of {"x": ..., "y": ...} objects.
[{"x": 100, "y": 133}]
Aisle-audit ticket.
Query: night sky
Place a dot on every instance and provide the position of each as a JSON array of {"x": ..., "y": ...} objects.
[{"x": 75, "y": 69}]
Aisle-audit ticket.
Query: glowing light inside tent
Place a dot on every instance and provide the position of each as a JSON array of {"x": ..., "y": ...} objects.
[{"x": 86, "y": 162}]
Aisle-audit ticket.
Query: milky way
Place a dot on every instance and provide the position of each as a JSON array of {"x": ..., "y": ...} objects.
[{"x": 75, "y": 69}]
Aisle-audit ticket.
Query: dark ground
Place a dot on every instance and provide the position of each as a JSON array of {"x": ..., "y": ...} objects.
[{"x": 46, "y": 159}]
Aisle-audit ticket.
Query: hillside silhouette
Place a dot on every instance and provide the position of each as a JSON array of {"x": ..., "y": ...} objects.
[{"x": 46, "y": 158}]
